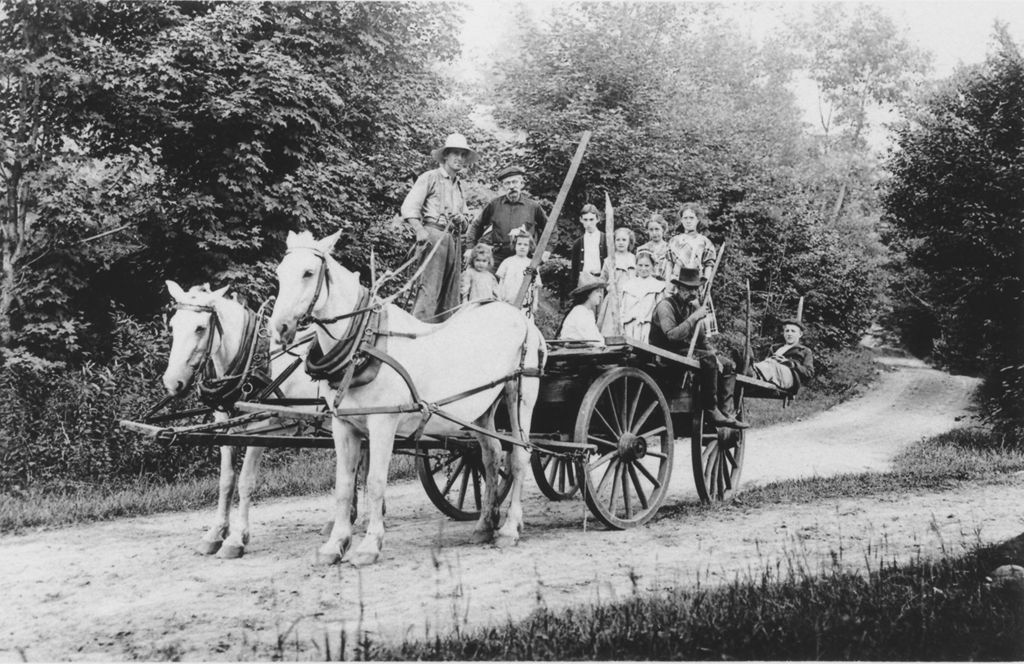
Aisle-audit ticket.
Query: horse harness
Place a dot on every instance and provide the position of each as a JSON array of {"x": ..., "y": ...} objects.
[{"x": 356, "y": 359}]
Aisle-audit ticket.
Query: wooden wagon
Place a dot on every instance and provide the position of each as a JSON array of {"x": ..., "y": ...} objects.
[{"x": 605, "y": 427}]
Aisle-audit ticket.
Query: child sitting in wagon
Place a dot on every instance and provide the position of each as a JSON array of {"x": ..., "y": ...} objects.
[
  {"x": 478, "y": 282},
  {"x": 790, "y": 364},
  {"x": 513, "y": 269}
]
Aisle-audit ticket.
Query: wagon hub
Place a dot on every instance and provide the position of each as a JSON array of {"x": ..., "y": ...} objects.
[{"x": 632, "y": 447}]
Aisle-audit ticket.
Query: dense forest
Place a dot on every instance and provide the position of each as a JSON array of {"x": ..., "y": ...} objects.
[{"x": 150, "y": 141}]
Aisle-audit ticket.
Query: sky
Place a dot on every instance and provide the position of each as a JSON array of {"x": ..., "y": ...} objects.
[{"x": 953, "y": 31}]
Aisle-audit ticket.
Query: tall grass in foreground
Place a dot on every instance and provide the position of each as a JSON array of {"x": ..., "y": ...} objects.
[{"x": 944, "y": 610}]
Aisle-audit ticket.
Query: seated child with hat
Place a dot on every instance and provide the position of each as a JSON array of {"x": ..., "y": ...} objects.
[{"x": 580, "y": 324}]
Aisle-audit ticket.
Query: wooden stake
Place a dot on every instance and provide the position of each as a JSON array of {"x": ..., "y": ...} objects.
[{"x": 552, "y": 219}]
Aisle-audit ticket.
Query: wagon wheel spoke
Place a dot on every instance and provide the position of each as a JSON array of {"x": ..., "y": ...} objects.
[
  {"x": 627, "y": 502},
  {"x": 615, "y": 415},
  {"x": 615, "y": 485},
  {"x": 653, "y": 432},
  {"x": 709, "y": 473},
  {"x": 604, "y": 421},
  {"x": 650, "y": 478},
  {"x": 552, "y": 470},
  {"x": 476, "y": 489},
  {"x": 631, "y": 424},
  {"x": 603, "y": 441},
  {"x": 636, "y": 483},
  {"x": 462, "y": 489},
  {"x": 604, "y": 479},
  {"x": 625, "y": 405},
  {"x": 706, "y": 453},
  {"x": 603, "y": 459},
  {"x": 642, "y": 420},
  {"x": 561, "y": 474},
  {"x": 454, "y": 476},
  {"x": 570, "y": 471},
  {"x": 656, "y": 454}
]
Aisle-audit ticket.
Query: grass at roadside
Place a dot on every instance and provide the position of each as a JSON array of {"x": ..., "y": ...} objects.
[
  {"x": 308, "y": 472},
  {"x": 946, "y": 610},
  {"x": 929, "y": 610}
]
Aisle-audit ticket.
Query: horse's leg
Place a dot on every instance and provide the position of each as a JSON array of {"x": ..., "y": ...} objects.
[
  {"x": 490, "y": 452},
  {"x": 346, "y": 448},
  {"x": 214, "y": 537},
  {"x": 234, "y": 546},
  {"x": 520, "y": 412},
  {"x": 382, "y": 438}
]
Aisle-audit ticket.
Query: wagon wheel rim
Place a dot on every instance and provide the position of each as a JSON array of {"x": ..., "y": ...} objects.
[
  {"x": 717, "y": 456},
  {"x": 453, "y": 479},
  {"x": 557, "y": 477},
  {"x": 626, "y": 417}
]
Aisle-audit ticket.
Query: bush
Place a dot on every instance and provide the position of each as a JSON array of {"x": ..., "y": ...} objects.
[{"x": 61, "y": 427}]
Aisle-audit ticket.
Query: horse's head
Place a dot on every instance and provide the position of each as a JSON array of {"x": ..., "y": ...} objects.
[
  {"x": 192, "y": 333},
  {"x": 302, "y": 282}
]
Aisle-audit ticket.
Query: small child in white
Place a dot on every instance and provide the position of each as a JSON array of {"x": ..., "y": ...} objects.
[
  {"x": 639, "y": 296},
  {"x": 512, "y": 270},
  {"x": 478, "y": 282}
]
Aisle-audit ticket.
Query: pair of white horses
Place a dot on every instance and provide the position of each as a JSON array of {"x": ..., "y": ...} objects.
[{"x": 480, "y": 344}]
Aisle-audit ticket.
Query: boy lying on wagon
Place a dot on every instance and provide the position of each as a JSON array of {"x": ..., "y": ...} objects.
[{"x": 790, "y": 364}]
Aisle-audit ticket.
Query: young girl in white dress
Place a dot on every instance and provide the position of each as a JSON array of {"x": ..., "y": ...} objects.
[
  {"x": 478, "y": 282},
  {"x": 512, "y": 270},
  {"x": 622, "y": 261},
  {"x": 639, "y": 296}
]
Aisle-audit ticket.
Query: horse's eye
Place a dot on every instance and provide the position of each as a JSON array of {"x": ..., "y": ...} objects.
[
  {"x": 308, "y": 274},
  {"x": 200, "y": 329}
]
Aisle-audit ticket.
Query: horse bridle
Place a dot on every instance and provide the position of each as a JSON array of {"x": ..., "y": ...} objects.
[
  {"x": 323, "y": 279},
  {"x": 215, "y": 327}
]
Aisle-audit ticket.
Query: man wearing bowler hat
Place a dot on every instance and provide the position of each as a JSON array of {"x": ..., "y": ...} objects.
[
  {"x": 436, "y": 210},
  {"x": 506, "y": 212},
  {"x": 672, "y": 326}
]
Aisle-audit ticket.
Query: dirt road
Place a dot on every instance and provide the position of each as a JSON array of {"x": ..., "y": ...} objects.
[{"x": 134, "y": 588}]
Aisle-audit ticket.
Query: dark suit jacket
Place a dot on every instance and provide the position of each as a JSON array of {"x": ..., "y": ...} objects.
[
  {"x": 800, "y": 360},
  {"x": 577, "y": 254}
]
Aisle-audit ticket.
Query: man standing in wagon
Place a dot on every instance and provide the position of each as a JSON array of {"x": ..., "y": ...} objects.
[{"x": 436, "y": 210}]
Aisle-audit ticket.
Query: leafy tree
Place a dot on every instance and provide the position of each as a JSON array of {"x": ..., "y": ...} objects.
[{"x": 955, "y": 204}]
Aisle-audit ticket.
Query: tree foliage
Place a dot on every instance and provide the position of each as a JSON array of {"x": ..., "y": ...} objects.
[
  {"x": 686, "y": 107},
  {"x": 220, "y": 125},
  {"x": 955, "y": 203}
]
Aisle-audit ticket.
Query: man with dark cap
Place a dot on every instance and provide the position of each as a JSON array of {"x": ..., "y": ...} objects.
[
  {"x": 506, "y": 212},
  {"x": 673, "y": 325},
  {"x": 436, "y": 210},
  {"x": 790, "y": 364}
]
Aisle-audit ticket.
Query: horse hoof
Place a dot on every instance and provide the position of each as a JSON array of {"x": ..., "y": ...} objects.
[
  {"x": 209, "y": 547},
  {"x": 328, "y": 558},
  {"x": 506, "y": 542},
  {"x": 231, "y": 551},
  {"x": 481, "y": 537},
  {"x": 363, "y": 559}
]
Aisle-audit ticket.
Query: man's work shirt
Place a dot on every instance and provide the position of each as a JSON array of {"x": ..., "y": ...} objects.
[
  {"x": 434, "y": 197},
  {"x": 671, "y": 329},
  {"x": 502, "y": 215}
]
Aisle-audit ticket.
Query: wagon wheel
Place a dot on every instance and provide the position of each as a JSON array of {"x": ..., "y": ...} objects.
[
  {"x": 717, "y": 455},
  {"x": 454, "y": 479},
  {"x": 625, "y": 414},
  {"x": 557, "y": 477}
]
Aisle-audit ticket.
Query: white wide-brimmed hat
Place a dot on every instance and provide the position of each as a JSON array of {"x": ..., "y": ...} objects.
[{"x": 454, "y": 142}]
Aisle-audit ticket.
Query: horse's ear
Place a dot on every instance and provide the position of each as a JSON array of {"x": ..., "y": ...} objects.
[
  {"x": 290, "y": 240},
  {"x": 327, "y": 244},
  {"x": 175, "y": 290},
  {"x": 221, "y": 291}
]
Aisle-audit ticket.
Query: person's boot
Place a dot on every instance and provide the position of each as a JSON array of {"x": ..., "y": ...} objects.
[
  {"x": 726, "y": 405},
  {"x": 709, "y": 378}
]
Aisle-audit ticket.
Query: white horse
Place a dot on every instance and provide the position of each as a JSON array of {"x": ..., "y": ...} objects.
[
  {"x": 480, "y": 346},
  {"x": 208, "y": 325}
]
